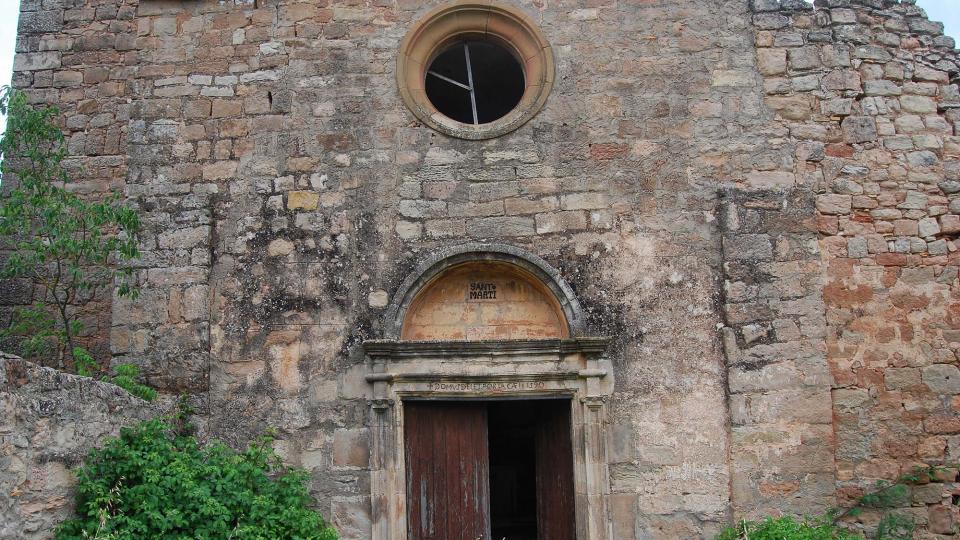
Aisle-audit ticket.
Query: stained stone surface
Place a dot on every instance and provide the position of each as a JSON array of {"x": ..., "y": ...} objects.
[
  {"x": 48, "y": 422},
  {"x": 757, "y": 200}
]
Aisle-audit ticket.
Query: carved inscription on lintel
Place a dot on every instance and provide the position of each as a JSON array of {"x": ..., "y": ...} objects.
[{"x": 506, "y": 386}]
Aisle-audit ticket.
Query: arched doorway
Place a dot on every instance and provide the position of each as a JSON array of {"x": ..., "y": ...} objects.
[{"x": 488, "y": 411}]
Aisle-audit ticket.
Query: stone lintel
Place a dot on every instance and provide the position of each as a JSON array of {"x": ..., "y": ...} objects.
[{"x": 385, "y": 349}]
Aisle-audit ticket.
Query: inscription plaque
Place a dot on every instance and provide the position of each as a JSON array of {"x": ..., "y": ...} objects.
[
  {"x": 487, "y": 386},
  {"x": 482, "y": 291}
]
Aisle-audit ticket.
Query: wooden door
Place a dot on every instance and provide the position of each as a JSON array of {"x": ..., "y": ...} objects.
[
  {"x": 448, "y": 469},
  {"x": 555, "y": 491}
]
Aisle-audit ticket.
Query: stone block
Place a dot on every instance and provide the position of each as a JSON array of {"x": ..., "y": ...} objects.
[
  {"x": 859, "y": 129},
  {"x": 584, "y": 201},
  {"x": 184, "y": 238},
  {"x": 422, "y": 209},
  {"x": 623, "y": 514},
  {"x": 938, "y": 247},
  {"x": 560, "y": 221},
  {"x": 942, "y": 520},
  {"x": 804, "y": 57},
  {"x": 756, "y": 247},
  {"x": 842, "y": 79},
  {"x": 303, "y": 200},
  {"x": 351, "y": 448},
  {"x": 901, "y": 378},
  {"x": 942, "y": 378},
  {"x": 493, "y": 227},
  {"x": 857, "y": 247},
  {"x": 942, "y": 425},
  {"x": 927, "y": 494},
  {"x": 196, "y": 303},
  {"x": 918, "y": 104},
  {"x": 733, "y": 78},
  {"x": 797, "y": 107},
  {"x": 771, "y": 179},
  {"x": 445, "y": 228},
  {"x": 36, "y": 61},
  {"x": 914, "y": 200},
  {"x": 881, "y": 87},
  {"x": 834, "y": 204},
  {"x": 351, "y": 517},
  {"x": 472, "y": 209},
  {"x": 408, "y": 230},
  {"x": 219, "y": 170},
  {"x": 928, "y": 227},
  {"x": 772, "y": 61},
  {"x": 950, "y": 224},
  {"x": 280, "y": 247}
]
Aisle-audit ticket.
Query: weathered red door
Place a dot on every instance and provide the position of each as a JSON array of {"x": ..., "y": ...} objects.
[
  {"x": 555, "y": 492},
  {"x": 448, "y": 468}
]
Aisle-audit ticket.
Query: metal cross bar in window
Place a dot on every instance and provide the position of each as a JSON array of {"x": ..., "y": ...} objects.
[
  {"x": 473, "y": 93},
  {"x": 449, "y": 80},
  {"x": 468, "y": 87}
]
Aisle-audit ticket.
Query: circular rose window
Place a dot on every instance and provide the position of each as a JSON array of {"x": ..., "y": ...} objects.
[{"x": 475, "y": 70}]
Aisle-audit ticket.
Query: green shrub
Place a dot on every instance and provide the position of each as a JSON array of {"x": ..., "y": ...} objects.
[
  {"x": 786, "y": 528},
  {"x": 125, "y": 376},
  {"x": 159, "y": 483}
]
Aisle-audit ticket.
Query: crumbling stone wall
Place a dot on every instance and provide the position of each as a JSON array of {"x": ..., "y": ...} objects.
[
  {"x": 867, "y": 92},
  {"x": 48, "y": 422}
]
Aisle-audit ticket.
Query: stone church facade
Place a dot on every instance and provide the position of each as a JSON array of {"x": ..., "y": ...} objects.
[{"x": 722, "y": 234}]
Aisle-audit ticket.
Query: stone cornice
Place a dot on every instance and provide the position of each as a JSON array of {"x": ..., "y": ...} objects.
[{"x": 421, "y": 349}]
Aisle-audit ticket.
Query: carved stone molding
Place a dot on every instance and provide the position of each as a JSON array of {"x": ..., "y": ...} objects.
[
  {"x": 451, "y": 256},
  {"x": 575, "y": 369}
]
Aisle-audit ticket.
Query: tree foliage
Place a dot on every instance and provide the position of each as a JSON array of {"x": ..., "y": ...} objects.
[
  {"x": 70, "y": 248},
  {"x": 156, "y": 481}
]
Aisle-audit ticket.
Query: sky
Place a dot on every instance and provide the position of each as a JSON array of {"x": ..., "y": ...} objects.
[{"x": 938, "y": 10}]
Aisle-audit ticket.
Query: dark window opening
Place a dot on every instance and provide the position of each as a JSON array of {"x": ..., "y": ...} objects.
[
  {"x": 513, "y": 476},
  {"x": 475, "y": 82}
]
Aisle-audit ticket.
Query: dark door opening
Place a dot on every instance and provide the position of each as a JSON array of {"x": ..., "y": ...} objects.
[
  {"x": 513, "y": 470},
  {"x": 489, "y": 470}
]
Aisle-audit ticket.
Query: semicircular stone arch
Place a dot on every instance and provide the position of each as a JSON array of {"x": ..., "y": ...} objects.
[{"x": 478, "y": 292}]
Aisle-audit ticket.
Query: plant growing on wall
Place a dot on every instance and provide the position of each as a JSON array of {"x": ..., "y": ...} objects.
[
  {"x": 885, "y": 497},
  {"x": 70, "y": 248},
  {"x": 157, "y": 481},
  {"x": 786, "y": 528}
]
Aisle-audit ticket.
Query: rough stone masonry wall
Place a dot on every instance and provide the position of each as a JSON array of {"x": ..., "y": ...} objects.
[
  {"x": 867, "y": 90},
  {"x": 670, "y": 177},
  {"x": 48, "y": 422},
  {"x": 778, "y": 377},
  {"x": 325, "y": 193},
  {"x": 78, "y": 56}
]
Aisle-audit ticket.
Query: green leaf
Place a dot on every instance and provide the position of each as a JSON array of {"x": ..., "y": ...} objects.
[
  {"x": 151, "y": 482},
  {"x": 71, "y": 248}
]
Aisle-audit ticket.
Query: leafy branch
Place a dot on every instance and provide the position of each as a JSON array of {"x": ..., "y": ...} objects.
[
  {"x": 156, "y": 481},
  {"x": 886, "y": 495},
  {"x": 71, "y": 249}
]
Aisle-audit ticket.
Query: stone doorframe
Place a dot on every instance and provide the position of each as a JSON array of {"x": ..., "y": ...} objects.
[{"x": 574, "y": 368}]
